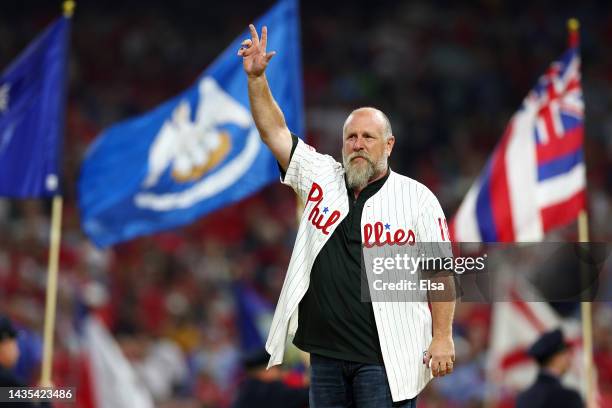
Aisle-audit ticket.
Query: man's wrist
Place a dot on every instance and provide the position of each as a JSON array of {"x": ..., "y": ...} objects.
[
  {"x": 255, "y": 78},
  {"x": 443, "y": 336}
]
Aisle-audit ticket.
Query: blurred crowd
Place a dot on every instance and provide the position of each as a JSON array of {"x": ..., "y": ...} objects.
[{"x": 448, "y": 75}]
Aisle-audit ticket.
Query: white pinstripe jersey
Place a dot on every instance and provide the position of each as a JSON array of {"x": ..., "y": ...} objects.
[{"x": 404, "y": 328}]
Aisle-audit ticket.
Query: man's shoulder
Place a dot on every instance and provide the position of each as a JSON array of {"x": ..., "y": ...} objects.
[{"x": 309, "y": 153}]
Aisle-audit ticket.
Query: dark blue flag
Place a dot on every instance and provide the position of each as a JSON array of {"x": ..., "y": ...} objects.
[
  {"x": 32, "y": 99},
  {"x": 195, "y": 153},
  {"x": 253, "y": 316}
]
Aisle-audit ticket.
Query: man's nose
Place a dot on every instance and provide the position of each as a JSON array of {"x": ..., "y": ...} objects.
[{"x": 358, "y": 145}]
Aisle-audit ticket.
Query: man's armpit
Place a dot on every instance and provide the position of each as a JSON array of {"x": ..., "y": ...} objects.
[{"x": 294, "y": 143}]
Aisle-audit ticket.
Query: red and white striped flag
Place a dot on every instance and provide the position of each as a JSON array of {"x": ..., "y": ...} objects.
[{"x": 535, "y": 179}]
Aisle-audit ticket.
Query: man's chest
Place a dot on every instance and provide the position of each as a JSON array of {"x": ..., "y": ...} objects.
[{"x": 375, "y": 220}]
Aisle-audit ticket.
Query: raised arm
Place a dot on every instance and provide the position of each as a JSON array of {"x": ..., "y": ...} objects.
[{"x": 267, "y": 115}]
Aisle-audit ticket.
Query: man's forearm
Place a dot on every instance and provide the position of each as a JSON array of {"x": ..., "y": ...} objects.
[
  {"x": 443, "y": 307},
  {"x": 267, "y": 115},
  {"x": 442, "y": 318},
  {"x": 441, "y": 353}
]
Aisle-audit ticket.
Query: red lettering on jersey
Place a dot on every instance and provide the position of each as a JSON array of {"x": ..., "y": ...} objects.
[
  {"x": 446, "y": 229},
  {"x": 315, "y": 216},
  {"x": 441, "y": 228},
  {"x": 374, "y": 235}
]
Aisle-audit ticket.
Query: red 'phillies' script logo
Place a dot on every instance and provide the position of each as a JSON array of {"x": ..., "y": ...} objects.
[
  {"x": 382, "y": 237},
  {"x": 315, "y": 216}
]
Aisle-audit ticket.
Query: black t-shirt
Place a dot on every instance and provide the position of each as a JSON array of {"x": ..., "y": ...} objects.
[{"x": 333, "y": 321}]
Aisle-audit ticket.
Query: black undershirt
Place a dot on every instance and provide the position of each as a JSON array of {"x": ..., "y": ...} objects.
[{"x": 333, "y": 321}]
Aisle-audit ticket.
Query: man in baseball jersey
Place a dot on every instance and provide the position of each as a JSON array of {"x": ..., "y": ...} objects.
[{"x": 364, "y": 354}]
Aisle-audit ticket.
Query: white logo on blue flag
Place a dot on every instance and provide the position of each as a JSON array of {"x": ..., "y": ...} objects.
[
  {"x": 195, "y": 153},
  {"x": 190, "y": 148}
]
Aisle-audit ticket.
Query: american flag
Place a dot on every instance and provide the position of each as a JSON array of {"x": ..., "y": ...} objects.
[{"x": 535, "y": 179}]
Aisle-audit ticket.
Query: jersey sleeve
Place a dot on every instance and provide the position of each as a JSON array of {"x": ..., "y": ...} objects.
[
  {"x": 306, "y": 166},
  {"x": 432, "y": 229}
]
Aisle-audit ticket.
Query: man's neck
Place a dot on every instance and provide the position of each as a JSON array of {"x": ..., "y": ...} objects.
[
  {"x": 357, "y": 191},
  {"x": 552, "y": 371}
]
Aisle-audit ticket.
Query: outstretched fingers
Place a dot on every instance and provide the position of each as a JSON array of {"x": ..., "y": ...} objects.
[
  {"x": 264, "y": 44},
  {"x": 269, "y": 56},
  {"x": 254, "y": 35},
  {"x": 264, "y": 38},
  {"x": 256, "y": 48}
]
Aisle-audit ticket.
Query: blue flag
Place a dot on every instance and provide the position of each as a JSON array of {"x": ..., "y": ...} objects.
[
  {"x": 32, "y": 99},
  {"x": 253, "y": 317},
  {"x": 196, "y": 152}
]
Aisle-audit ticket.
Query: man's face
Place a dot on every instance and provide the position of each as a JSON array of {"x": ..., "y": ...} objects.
[
  {"x": 9, "y": 353},
  {"x": 566, "y": 360},
  {"x": 365, "y": 150}
]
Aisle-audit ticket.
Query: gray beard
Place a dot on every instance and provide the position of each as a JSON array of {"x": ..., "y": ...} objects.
[{"x": 357, "y": 177}]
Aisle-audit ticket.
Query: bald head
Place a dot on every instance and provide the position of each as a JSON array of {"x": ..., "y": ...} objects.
[
  {"x": 376, "y": 115},
  {"x": 367, "y": 142}
]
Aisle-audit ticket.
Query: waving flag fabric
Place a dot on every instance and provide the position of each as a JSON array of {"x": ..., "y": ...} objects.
[
  {"x": 108, "y": 378},
  {"x": 535, "y": 179},
  {"x": 32, "y": 99},
  {"x": 254, "y": 317},
  {"x": 516, "y": 325},
  {"x": 195, "y": 153}
]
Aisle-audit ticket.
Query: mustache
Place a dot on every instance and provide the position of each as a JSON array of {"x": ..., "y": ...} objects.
[{"x": 363, "y": 155}]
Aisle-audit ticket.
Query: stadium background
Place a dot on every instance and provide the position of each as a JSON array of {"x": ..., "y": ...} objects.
[{"x": 448, "y": 75}]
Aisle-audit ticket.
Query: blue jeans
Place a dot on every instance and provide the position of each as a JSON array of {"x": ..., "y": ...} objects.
[{"x": 339, "y": 384}]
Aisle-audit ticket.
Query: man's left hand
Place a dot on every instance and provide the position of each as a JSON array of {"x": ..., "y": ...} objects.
[{"x": 440, "y": 356}]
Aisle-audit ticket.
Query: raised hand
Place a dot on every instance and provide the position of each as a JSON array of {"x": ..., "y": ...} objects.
[{"x": 255, "y": 59}]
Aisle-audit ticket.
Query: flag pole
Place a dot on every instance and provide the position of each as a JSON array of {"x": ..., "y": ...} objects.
[
  {"x": 573, "y": 27},
  {"x": 587, "y": 326},
  {"x": 52, "y": 267},
  {"x": 51, "y": 296}
]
